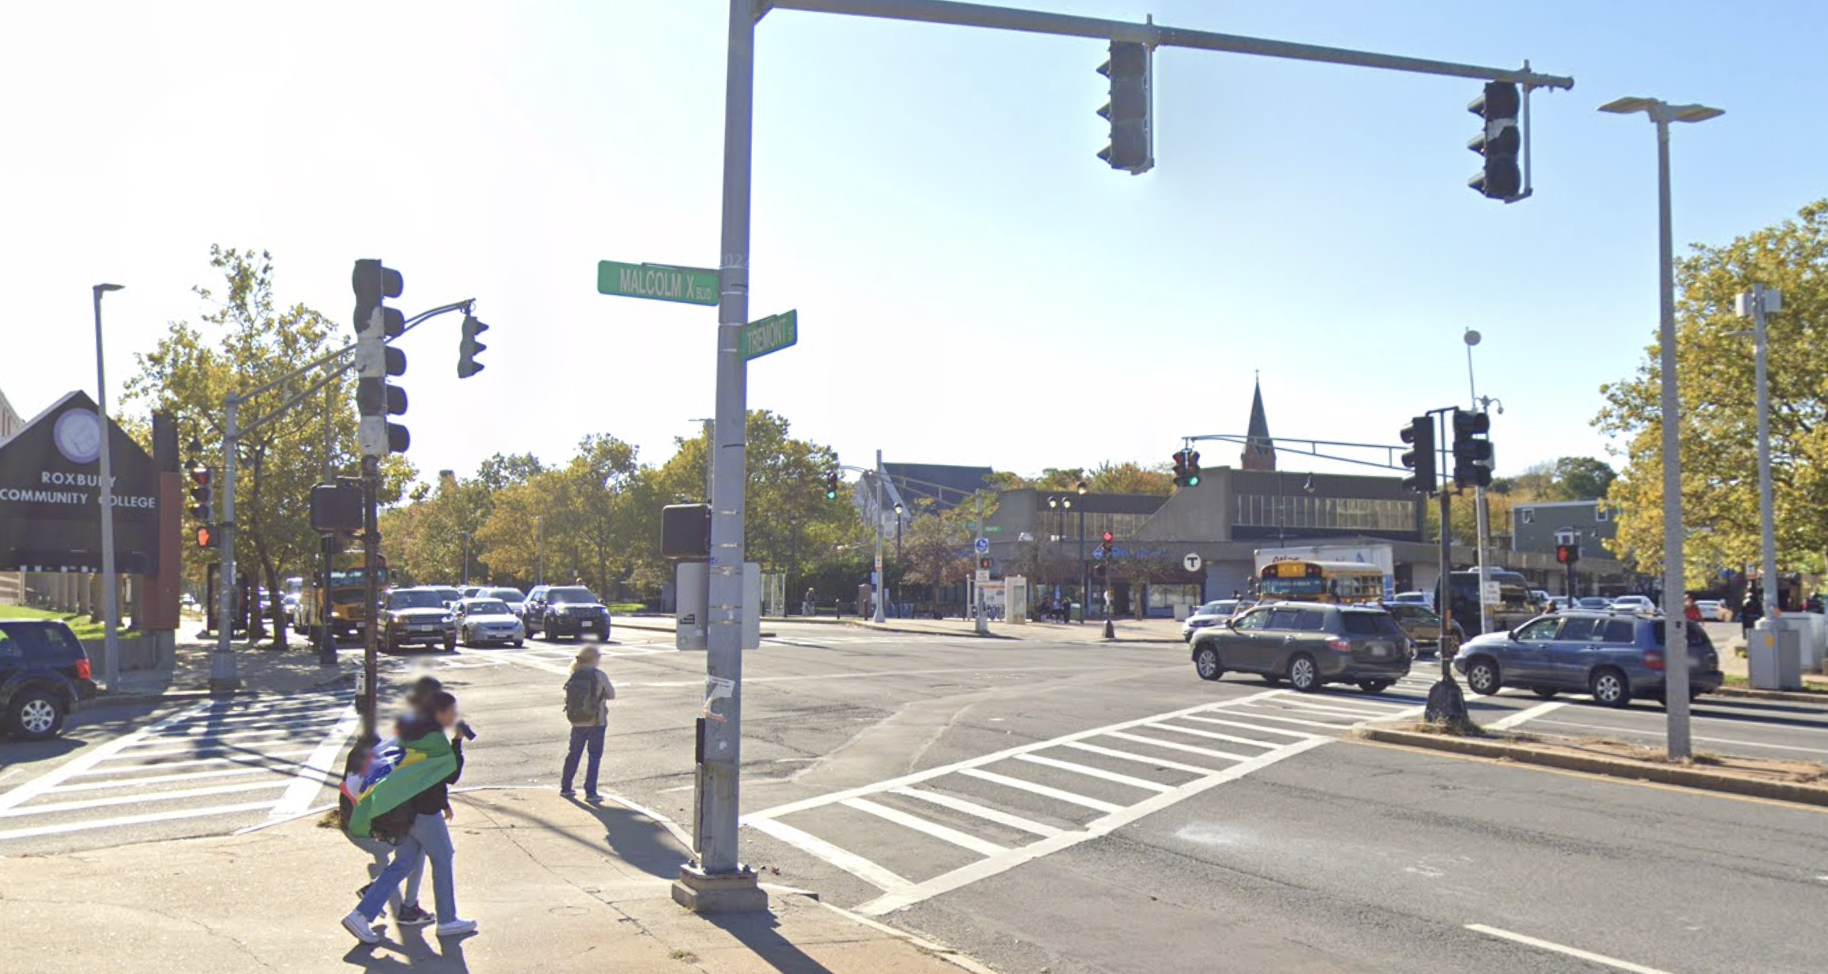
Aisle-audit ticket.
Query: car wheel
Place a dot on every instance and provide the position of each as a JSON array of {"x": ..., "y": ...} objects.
[
  {"x": 1545, "y": 693},
  {"x": 450, "y": 644},
  {"x": 1303, "y": 675},
  {"x": 35, "y": 715},
  {"x": 517, "y": 644},
  {"x": 1610, "y": 687},
  {"x": 1374, "y": 686},
  {"x": 1483, "y": 677},
  {"x": 1207, "y": 664}
]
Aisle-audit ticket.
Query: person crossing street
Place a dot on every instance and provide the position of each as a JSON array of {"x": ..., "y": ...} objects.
[{"x": 587, "y": 695}]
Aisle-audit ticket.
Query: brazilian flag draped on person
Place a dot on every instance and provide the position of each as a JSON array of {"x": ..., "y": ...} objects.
[{"x": 392, "y": 774}]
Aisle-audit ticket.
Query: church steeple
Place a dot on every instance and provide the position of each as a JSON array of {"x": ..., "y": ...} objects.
[{"x": 1259, "y": 449}]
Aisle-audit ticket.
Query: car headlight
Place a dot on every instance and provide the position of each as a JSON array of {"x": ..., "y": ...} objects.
[{"x": 446, "y": 620}]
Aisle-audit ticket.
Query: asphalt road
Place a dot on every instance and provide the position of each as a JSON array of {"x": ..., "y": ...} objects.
[{"x": 1092, "y": 808}]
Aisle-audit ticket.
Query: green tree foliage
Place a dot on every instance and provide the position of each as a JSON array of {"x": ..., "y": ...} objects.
[
  {"x": 246, "y": 339},
  {"x": 936, "y": 543},
  {"x": 1719, "y": 420},
  {"x": 1109, "y": 477}
]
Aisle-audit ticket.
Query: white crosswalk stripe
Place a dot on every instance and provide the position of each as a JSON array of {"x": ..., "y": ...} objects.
[
  {"x": 236, "y": 760},
  {"x": 1016, "y": 805}
]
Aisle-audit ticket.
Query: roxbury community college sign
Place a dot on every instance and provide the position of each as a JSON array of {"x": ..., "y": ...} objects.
[{"x": 50, "y": 495}]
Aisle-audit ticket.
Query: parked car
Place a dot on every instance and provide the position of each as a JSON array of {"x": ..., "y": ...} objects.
[
  {"x": 1425, "y": 598},
  {"x": 1613, "y": 656},
  {"x": 1211, "y": 613},
  {"x": 533, "y": 609},
  {"x": 44, "y": 677},
  {"x": 1634, "y": 603},
  {"x": 514, "y": 597},
  {"x": 1713, "y": 610},
  {"x": 1422, "y": 625},
  {"x": 487, "y": 621},
  {"x": 417, "y": 616},
  {"x": 1307, "y": 643},
  {"x": 1540, "y": 597},
  {"x": 1593, "y": 604},
  {"x": 471, "y": 591},
  {"x": 447, "y": 594},
  {"x": 571, "y": 610}
]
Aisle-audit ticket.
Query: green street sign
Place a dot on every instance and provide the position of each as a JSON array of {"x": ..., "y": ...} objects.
[
  {"x": 771, "y": 334},
  {"x": 993, "y": 529},
  {"x": 660, "y": 282}
]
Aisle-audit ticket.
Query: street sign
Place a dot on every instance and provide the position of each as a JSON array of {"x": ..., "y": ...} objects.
[
  {"x": 878, "y": 563},
  {"x": 771, "y": 334},
  {"x": 994, "y": 529},
  {"x": 982, "y": 546},
  {"x": 1191, "y": 562},
  {"x": 660, "y": 282},
  {"x": 1492, "y": 593},
  {"x": 983, "y": 576}
]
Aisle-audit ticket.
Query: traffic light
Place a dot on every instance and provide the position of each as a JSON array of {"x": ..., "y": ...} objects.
[
  {"x": 376, "y": 361},
  {"x": 202, "y": 491},
  {"x": 1104, "y": 545},
  {"x": 466, "y": 351},
  {"x": 1180, "y": 467},
  {"x": 1472, "y": 452},
  {"x": 831, "y": 486},
  {"x": 1567, "y": 554},
  {"x": 206, "y": 537},
  {"x": 1193, "y": 468},
  {"x": 1132, "y": 145},
  {"x": 1420, "y": 434},
  {"x": 1500, "y": 143},
  {"x": 984, "y": 563}
]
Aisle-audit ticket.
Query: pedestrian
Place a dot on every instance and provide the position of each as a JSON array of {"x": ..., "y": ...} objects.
[
  {"x": 1551, "y": 609},
  {"x": 406, "y": 909},
  {"x": 587, "y": 695},
  {"x": 429, "y": 836},
  {"x": 809, "y": 604},
  {"x": 1752, "y": 610},
  {"x": 1690, "y": 610}
]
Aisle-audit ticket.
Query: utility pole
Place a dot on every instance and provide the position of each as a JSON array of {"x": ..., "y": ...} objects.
[
  {"x": 222, "y": 678},
  {"x": 1445, "y": 701},
  {"x": 111, "y": 581},
  {"x": 371, "y": 596},
  {"x": 1481, "y": 525},
  {"x": 876, "y": 515},
  {"x": 983, "y": 624},
  {"x": 326, "y": 635}
]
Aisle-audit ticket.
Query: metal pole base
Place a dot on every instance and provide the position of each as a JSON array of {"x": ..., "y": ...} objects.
[
  {"x": 1446, "y": 704},
  {"x": 223, "y": 688},
  {"x": 701, "y": 892},
  {"x": 1110, "y": 631}
]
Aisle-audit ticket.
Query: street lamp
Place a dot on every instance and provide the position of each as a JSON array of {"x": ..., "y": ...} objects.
[
  {"x": 1482, "y": 526},
  {"x": 539, "y": 550},
  {"x": 1085, "y": 572},
  {"x": 111, "y": 609},
  {"x": 1676, "y": 662}
]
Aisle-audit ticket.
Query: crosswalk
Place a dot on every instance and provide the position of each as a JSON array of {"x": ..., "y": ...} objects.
[
  {"x": 963, "y": 822},
  {"x": 239, "y": 761},
  {"x": 547, "y": 658}
]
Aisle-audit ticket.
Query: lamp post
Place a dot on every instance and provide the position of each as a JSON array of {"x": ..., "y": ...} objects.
[
  {"x": 1472, "y": 337},
  {"x": 898, "y": 512},
  {"x": 1085, "y": 581},
  {"x": 111, "y": 609},
  {"x": 539, "y": 550},
  {"x": 1676, "y": 683},
  {"x": 1757, "y": 303}
]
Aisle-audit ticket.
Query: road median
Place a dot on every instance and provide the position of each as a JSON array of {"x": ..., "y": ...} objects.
[{"x": 1803, "y": 782}]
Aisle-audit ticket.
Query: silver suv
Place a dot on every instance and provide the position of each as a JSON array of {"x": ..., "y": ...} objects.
[
  {"x": 1310, "y": 644},
  {"x": 1613, "y": 656}
]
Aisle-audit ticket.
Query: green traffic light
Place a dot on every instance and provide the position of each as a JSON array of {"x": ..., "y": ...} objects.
[{"x": 1193, "y": 480}]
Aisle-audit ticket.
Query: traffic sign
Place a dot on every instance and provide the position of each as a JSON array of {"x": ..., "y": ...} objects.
[
  {"x": 771, "y": 334},
  {"x": 982, "y": 546},
  {"x": 661, "y": 282},
  {"x": 1493, "y": 593},
  {"x": 1191, "y": 562}
]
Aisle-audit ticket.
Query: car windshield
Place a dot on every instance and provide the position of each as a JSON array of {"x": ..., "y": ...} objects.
[
  {"x": 488, "y": 607},
  {"x": 414, "y": 598},
  {"x": 506, "y": 594},
  {"x": 1370, "y": 624},
  {"x": 1220, "y": 608},
  {"x": 572, "y": 594}
]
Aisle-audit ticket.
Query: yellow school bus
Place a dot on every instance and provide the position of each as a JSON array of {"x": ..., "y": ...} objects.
[{"x": 1322, "y": 581}]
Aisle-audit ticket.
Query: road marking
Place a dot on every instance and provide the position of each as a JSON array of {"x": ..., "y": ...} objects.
[
  {"x": 1177, "y": 746},
  {"x": 987, "y": 814},
  {"x": 1096, "y": 804},
  {"x": 147, "y": 819},
  {"x": 163, "y": 779},
  {"x": 844, "y": 859},
  {"x": 879, "y": 674},
  {"x": 38, "y": 786},
  {"x": 1586, "y": 955},
  {"x": 1297, "y": 721},
  {"x": 918, "y": 824},
  {"x": 77, "y": 806},
  {"x": 1267, "y": 730},
  {"x": 1091, "y": 772},
  {"x": 310, "y": 778},
  {"x": 1526, "y": 715},
  {"x": 1111, "y": 752},
  {"x": 162, "y": 765},
  {"x": 1655, "y": 733},
  {"x": 1331, "y": 708}
]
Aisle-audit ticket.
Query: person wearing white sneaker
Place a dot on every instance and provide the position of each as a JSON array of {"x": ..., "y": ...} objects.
[{"x": 359, "y": 925}]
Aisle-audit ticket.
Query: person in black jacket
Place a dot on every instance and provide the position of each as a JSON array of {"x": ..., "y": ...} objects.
[{"x": 429, "y": 836}]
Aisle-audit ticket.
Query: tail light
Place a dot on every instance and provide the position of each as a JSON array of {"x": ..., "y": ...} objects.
[
  {"x": 1339, "y": 645},
  {"x": 1653, "y": 659},
  {"x": 83, "y": 670}
]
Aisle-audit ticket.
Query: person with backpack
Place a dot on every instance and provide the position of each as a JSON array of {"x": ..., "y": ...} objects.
[
  {"x": 405, "y": 904},
  {"x": 587, "y": 695},
  {"x": 428, "y": 833}
]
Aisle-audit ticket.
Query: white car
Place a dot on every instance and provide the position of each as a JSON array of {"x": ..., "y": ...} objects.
[
  {"x": 1634, "y": 603},
  {"x": 1424, "y": 598},
  {"x": 487, "y": 621}
]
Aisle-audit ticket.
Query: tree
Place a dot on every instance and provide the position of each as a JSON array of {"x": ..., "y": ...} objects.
[
  {"x": 1582, "y": 478},
  {"x": 1718, "y": 420},
  {"x": 246, "y": 340},
  {"x": 1140, "y": 564},
  {"x": 936, "y": 545}
]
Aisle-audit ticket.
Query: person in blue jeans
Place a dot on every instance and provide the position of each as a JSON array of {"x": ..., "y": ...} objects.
[
  {"x": 587, "y": 695},
  {"x": 429, "y": 837}
]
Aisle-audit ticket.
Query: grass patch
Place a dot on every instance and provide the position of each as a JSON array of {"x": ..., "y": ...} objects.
[
  {"x": 1745, "y": 683},
  {"x": 1464, "y": 727},
  {"x": 683, "y": 955},
  {"x": 79, "y": 622},
  {"x": 625, "y": 608}
]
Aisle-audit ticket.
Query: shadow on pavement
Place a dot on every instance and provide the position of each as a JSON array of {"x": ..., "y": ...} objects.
[
  {"x": 760, "y": 932},
  {"x": 638, "y": 840}
]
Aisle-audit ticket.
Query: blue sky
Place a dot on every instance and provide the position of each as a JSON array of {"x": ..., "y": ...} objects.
[{"x": 974, "y": 285}]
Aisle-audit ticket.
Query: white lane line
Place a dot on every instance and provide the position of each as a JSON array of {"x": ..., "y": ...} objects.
[
  {"x": 1216, "y": 736},
  {"x": 985, "y": 868},
  {"x": 207, "y": 735},
  {"x": 1328, "y": 707},
  {"x": 38, "y": 786},
  {"x": 1111, "y": 752},
  {"x": 531, "y": 662},
  {"x": 164, "y": 779},
  {"x": 921, "y": 825},
  {"x": 844, "y": 859},
  {"x": 162, "y": 765},
  {"x": 143, "y": 798},
  {"x": 1549, "y": 945},
  {"x": 310, "y": 778},
  {"x": 228, "y": 752},
  {"x": 881, "y": 674},
  {"x": 1209, "y": 735},
  {"x": 263, "y": 716},
  {"x": 1183, "y": 748},
  {"x": 1043, "y": 790},
  {"x": 1091, "y": 772},
  {"x": 105, "y": 823},
  {"x": 1525, "y": 715},
  {"x": 1301, "y": 735},
  {"x": 987, "y": 814}
]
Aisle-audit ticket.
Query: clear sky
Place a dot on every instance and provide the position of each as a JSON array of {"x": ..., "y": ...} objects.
[{"x": 974, "y": 285}]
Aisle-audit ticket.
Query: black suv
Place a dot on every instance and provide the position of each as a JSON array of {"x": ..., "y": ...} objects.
[
  {"x": 44, "y": 675},
  {"x": 569, "y": 610},
  {"x": 417, "y": 615}
]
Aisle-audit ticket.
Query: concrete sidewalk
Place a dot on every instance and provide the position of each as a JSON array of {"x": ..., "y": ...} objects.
[
  {"x": 260, "y": 670},
  {"x": 557, "y": 887}
]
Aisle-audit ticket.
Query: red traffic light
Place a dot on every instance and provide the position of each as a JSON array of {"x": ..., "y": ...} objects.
[
  {"x": 1109, "y": 537},
  {"x": 206, "y": 537},
  {"x": 201, "y": 475},
  {"x": 1567, "y": 554}
]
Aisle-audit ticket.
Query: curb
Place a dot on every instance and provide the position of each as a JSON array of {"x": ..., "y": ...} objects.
[
  {"x": 1787, "y": 696},
  {"x": 1609, "y": 767}
]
